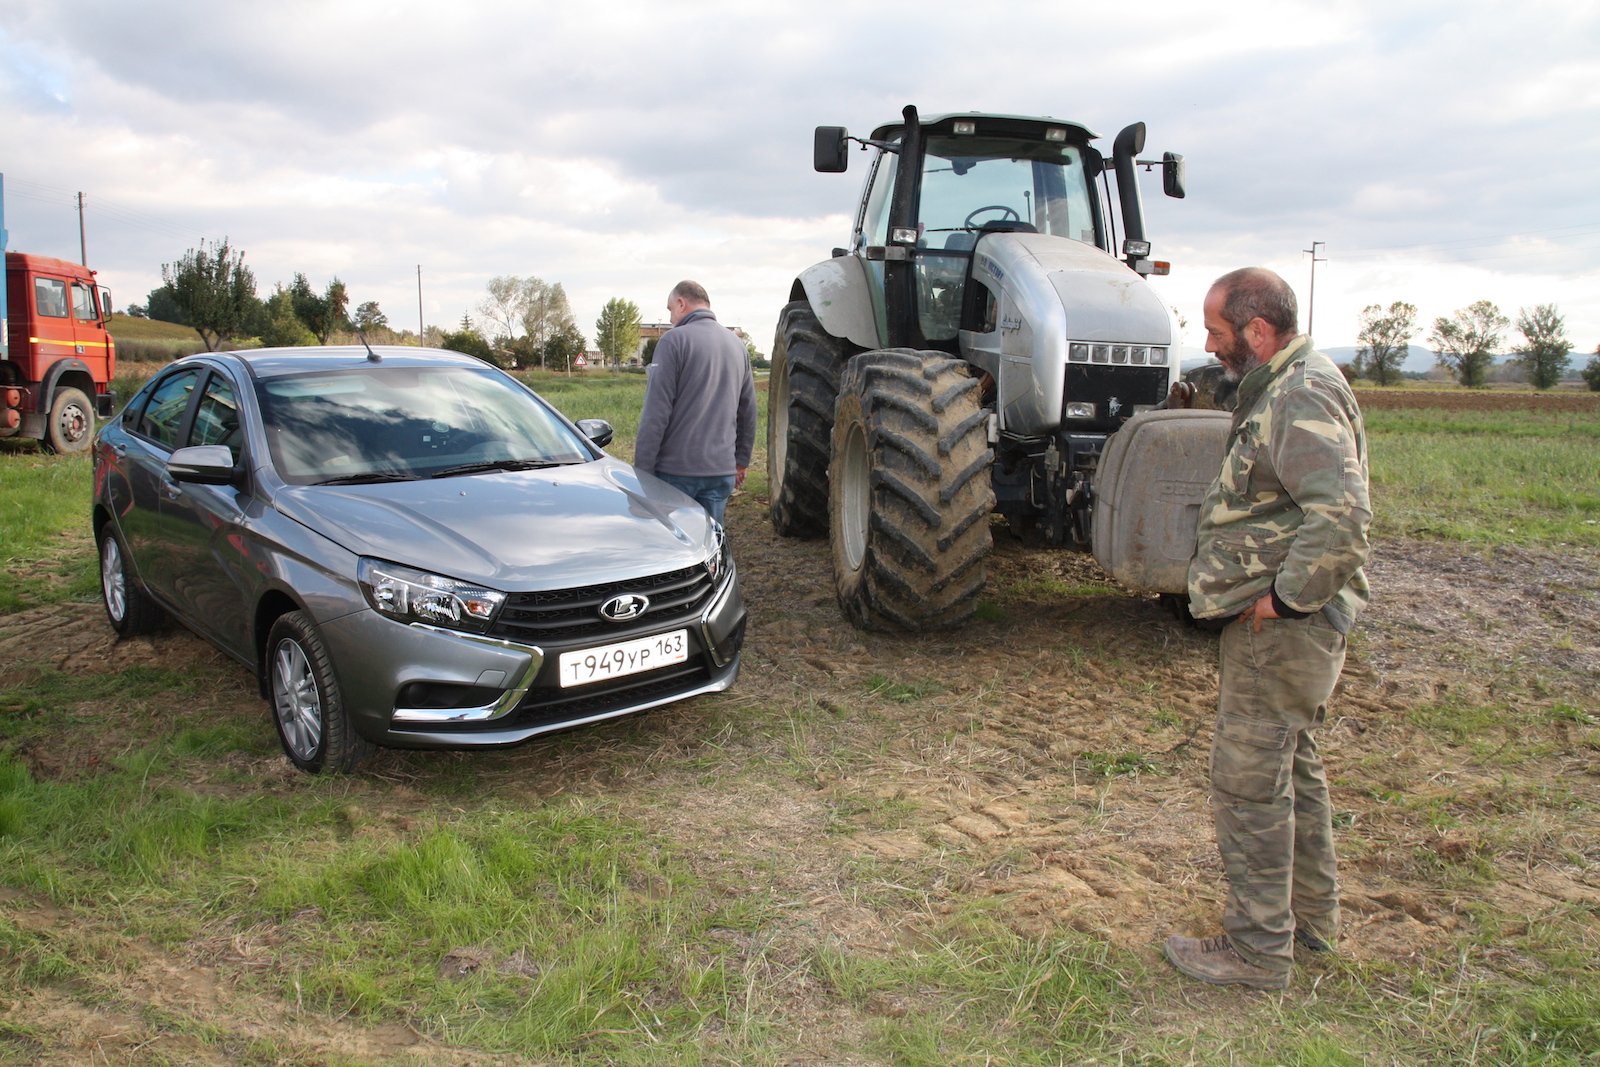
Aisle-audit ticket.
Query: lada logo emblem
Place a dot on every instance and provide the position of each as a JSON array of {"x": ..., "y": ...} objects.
[{"x": 624, "y": 607}]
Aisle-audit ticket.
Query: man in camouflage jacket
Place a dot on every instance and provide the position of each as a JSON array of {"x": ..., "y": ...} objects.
[{"x": 1280, "y": 548}]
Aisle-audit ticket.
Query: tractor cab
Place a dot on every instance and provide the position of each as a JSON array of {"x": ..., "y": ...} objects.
[{"x": 934, "y": 188}]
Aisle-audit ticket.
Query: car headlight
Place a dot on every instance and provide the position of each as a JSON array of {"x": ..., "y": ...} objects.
[{"x": 408, "y": 595}]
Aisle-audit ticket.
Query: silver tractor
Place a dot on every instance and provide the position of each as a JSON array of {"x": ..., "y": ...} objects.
[{"x": 980, "y": 346}]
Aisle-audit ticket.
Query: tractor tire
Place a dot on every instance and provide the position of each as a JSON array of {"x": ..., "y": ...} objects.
[
  {"x": 801, "y": 390},
  {"x": 70, "y": 427},
  {"x": 910, "y": 491}
]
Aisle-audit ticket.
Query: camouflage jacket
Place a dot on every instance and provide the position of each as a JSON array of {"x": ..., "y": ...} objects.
[{"x": 1288, "y": 514}]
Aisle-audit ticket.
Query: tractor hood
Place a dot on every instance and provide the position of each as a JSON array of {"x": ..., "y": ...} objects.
[{"x": 1051, "y": 292}]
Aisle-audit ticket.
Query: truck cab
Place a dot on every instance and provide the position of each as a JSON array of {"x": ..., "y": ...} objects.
[{"x": 57, "y": 360}]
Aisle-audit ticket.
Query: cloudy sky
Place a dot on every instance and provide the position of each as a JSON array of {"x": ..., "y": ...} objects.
[{"x": 1440, "y": 152}]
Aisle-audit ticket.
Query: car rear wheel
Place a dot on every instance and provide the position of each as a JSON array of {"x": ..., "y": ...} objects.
[
  {"x": 128, "y": 606},
  {"x": 307, "y": 706}
]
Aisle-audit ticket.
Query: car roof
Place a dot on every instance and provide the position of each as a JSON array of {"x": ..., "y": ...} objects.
[{"x": 278, "y": 362}]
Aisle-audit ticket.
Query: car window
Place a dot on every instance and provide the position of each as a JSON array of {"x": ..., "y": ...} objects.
[
  {"x": 409, "y": 422},
  {"x": 216, "y": 420},
  {"x": 162, "y": 416}
]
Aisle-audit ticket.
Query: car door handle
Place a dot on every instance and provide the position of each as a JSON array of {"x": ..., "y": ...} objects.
[{"x": 170, "y": 490}]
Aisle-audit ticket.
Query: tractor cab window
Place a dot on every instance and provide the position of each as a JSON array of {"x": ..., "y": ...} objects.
[{"x": 968, "y": 182}]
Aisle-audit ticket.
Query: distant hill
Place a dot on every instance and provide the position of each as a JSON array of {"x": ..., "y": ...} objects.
[
  {"x": 1419, "y": 360},
  {"x": 127, "y": 327}
]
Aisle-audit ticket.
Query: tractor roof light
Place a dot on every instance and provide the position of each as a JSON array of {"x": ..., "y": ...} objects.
[
  {"x": 1055, "y": 133},
  {"x": 965, "y": 127}
]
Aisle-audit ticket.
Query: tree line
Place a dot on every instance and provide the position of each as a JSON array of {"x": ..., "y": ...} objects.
[
  {"x": 1467, "y": 342},
  {"x": 521, "y": 322}
]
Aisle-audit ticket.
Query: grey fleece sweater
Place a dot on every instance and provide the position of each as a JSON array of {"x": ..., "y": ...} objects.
[{"x": 699, "y": 417}]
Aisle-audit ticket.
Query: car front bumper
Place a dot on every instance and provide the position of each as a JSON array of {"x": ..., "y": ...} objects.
[{"x": 414, "y": 686}]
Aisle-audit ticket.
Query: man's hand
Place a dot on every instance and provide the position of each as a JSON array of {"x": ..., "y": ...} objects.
[
  {"x": 738, "y": 477},
  {"x": 1261, "y": 609}
]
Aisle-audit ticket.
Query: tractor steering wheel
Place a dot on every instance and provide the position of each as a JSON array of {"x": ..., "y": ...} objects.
[{"x": 1006, "y": 213}]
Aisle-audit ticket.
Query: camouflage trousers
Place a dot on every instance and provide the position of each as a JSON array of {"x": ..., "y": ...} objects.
[{"x": 1268, "y": 790}]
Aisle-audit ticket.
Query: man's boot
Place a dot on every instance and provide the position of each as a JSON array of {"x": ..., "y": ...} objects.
[{"x": 1213, "y": 959}]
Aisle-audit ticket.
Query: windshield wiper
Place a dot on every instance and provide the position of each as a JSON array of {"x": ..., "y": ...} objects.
[
  {"x": 369, "y": 476},
  {"x": 500, "y": 465}
]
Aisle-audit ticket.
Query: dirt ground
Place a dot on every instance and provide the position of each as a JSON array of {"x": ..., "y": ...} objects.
[{"x": 1052, "y": 754}]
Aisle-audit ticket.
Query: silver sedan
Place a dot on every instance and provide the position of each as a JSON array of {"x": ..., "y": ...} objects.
[{"x": 409, "y": 548}]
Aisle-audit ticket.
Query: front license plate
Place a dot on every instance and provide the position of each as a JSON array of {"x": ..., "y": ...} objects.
[{"x": 624, "y": 657}]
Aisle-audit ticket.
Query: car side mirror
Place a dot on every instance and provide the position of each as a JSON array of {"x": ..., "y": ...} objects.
[
  {"x": 202, "y": 464},
  {"x": 830, "y": 150},
  {"x": 1172, "y": 174},
  {"x": 597, "y": 430}
]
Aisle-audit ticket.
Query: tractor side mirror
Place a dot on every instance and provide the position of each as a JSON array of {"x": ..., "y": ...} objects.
[
  {"x": 1172, "y": 174},
  {"x": 830, "y": 150}
]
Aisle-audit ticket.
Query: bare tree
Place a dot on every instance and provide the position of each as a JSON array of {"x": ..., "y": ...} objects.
[
  {"x": 502, "y": 309},
  {"x": 1385, "y": 340},
  {"x": 1546, "y": 354},
  {"x": 1466, "y": 342},
  {"x": 546, "y": 314}
]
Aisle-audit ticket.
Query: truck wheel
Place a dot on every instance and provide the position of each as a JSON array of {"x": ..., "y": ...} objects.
[
  {"x": 307, "y": 706},
  {"x": 128, "y": 606},
  {"x": 71, "y": 425},
  {"x": 910, "y": 493},
  {"x": 801, "y": 390}
]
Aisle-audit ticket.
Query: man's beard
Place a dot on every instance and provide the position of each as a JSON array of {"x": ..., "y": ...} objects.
[{"x": 1238, "y": 359}]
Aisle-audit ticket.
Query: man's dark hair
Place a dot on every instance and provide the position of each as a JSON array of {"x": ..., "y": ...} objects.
[
  {"x": 1255, "y": 292},
  {"x": 693, "y": 292}
]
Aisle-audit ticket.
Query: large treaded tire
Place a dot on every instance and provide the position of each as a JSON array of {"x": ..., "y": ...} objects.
[
  {"x": 910, "y": 491},
  {"x": 801, "y": 389}
]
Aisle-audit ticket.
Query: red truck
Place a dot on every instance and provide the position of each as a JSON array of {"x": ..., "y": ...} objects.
[{"x": 56, "y": 358}]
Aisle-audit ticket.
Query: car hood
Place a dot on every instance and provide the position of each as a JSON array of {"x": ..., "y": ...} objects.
[{"x": 514, "y": 530}]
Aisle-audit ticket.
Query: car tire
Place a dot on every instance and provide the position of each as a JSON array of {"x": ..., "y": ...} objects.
[
  {"x": 307, "y": 706},
  {"x": 71, "y": 424},
  {"x": 128, "y": 606}
]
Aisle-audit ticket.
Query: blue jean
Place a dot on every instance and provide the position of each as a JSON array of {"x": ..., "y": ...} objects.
[{"x": 710, "y": 491}]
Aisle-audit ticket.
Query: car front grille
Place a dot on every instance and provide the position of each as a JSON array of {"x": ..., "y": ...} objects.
[{"x": 559, "y": 615}]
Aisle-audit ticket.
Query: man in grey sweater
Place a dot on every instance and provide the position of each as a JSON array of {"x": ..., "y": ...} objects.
[{"x": 698, "y": 426}]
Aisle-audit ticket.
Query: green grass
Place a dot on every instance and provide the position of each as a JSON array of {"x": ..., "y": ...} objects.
[
  {"x": 44, "y": 541},
  {"x": 1486, "y": 477}
]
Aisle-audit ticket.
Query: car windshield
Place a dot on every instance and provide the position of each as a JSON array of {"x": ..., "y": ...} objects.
[{"x": 401, "y": 423}]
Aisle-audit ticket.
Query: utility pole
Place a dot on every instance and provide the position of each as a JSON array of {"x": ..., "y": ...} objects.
[
  {"x": 420, "y": 339},
  {"x": 1311, "y": 304},
  {"x": 83, "y": 239}
]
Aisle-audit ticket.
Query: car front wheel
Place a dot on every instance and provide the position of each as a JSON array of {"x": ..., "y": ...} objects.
[{"x": 306, "y": 704}]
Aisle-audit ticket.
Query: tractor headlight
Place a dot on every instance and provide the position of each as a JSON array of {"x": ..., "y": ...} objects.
[
  {"x": 408, "y": 596},
  {"x": 1079, "y": 409}
]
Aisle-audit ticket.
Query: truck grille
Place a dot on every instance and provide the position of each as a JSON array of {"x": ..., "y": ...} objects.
[{"x": 562, "y": 615}]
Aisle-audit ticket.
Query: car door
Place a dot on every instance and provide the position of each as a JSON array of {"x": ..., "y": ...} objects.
[
  {"x": 152, "y": 433},
  {"x": 206, "y": 547}
]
